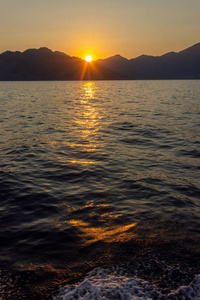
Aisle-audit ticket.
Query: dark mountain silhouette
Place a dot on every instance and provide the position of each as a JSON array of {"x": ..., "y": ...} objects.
[
  {"x": 44, "y": 64},
  {"x": 182, "y": 65}
]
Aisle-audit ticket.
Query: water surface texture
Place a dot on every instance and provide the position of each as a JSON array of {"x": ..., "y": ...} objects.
[{"x": 99, "y": 175}]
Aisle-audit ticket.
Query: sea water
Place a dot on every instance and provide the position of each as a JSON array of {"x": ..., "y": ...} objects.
[{"x": 100, "y": 190}]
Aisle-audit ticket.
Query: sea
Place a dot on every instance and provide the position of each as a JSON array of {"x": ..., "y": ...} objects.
[{"x": 100, "y": 190}]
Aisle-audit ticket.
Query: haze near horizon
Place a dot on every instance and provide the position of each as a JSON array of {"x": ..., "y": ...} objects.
[{"x": 101, "y": 29}]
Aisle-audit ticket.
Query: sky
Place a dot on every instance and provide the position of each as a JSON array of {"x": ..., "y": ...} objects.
[{"x": 101, "y": 28}]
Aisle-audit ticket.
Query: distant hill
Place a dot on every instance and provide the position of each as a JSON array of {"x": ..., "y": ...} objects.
[
  {"x": 181, "y": 65},
  {"x": 44, "y": 64}
]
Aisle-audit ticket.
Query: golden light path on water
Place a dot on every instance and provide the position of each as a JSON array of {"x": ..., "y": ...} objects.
[
  {"x": 87, "y": 120},
  {"x": 93, "y": 234}
]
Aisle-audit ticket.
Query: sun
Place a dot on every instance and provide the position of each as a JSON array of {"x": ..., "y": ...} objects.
[{"x": 88, "y": 58}]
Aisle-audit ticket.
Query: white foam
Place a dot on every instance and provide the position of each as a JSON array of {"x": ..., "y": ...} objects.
[
  {"x": 100, "y": 284},
  {"x": 188, "y": 292}
]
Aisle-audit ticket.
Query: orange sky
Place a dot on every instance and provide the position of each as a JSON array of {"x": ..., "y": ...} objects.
[{"x": 100, "y": 28}]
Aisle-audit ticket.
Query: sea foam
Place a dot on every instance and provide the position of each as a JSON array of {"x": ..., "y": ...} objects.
[{"x": 100, "y": 284}]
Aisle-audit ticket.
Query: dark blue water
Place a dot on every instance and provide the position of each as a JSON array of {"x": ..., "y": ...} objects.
[{"x": 99, "y": 175}]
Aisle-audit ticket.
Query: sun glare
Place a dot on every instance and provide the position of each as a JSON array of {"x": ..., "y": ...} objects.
[{"x": 88, "y": 58}]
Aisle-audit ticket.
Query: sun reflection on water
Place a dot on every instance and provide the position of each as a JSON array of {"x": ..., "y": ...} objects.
[
  {"x": 87, "y": 120},
  {"x": 115, "y": 233},
  {"x": 89, "y": 88}
]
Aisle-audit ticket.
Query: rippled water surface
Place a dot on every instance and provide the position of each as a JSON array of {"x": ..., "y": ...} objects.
[{"x": 96, "y": 174}]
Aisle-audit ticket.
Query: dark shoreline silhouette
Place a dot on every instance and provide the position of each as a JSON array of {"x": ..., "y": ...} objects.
[{"x": 44, "y": 64}]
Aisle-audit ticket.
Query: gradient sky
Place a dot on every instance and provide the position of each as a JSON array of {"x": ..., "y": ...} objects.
[{"x": 102, "y": 28}]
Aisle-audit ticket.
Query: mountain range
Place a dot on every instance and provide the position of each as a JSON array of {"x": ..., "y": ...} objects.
[{"x": 44, "y": 64}]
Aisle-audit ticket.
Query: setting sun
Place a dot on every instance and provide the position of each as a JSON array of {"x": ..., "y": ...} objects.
[{"x": 88, "y": 58}]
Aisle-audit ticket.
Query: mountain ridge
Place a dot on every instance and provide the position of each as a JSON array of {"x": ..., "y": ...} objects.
[
  {"x": 45, "y": 64},
  {"x": 172, "y": 65}
]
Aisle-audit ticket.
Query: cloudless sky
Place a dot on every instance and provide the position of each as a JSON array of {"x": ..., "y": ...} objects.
[{"x": 102, "y": 28}]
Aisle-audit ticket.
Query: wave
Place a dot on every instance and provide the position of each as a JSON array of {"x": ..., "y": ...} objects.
[{"x": 100, "y": 284}]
